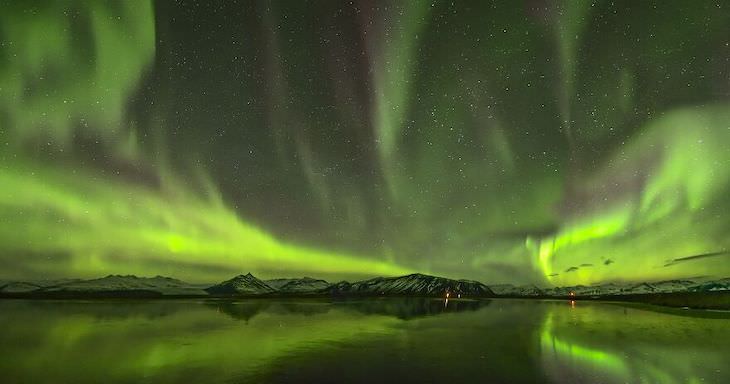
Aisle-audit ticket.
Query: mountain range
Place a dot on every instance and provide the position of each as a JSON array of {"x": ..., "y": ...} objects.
[
  {"x": 117, "y": 284},
  {"x": 416, "y": 284},
  {"x": 294, "y": 285},
  {"x": 616, "y": 289},
  {"x": 410, "y": 285}
]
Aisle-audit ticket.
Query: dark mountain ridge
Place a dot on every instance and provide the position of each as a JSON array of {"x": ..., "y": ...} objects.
[
  {"x": 297, "y": 285},
  {"x": 417, "y": 285}
]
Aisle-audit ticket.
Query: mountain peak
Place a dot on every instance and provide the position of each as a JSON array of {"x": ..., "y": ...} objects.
[{"x": 246, "y": 284}]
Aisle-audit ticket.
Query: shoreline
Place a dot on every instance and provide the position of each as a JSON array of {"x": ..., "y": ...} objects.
[{"x": 716, "y": 300}]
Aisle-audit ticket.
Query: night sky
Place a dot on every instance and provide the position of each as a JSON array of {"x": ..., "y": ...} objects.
[{"x": 538, "y": 142}]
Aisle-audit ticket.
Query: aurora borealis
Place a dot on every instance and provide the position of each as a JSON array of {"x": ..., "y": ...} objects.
[{"x": 537, "y": 142}]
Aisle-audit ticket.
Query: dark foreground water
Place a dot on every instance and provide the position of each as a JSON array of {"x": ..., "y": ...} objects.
[{"x": 369, "y": 341}]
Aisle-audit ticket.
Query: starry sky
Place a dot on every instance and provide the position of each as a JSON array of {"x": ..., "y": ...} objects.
[{"x": 546, "y": 142}]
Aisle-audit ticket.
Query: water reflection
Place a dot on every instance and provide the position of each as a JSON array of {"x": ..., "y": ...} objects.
[
  {"x": 618, "y": 344},
  {"x": 408, "y": 340},
  {"x": 401, "y": 308}
]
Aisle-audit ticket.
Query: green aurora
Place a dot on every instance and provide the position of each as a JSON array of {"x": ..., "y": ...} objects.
[{"x": 551, "y": 143}]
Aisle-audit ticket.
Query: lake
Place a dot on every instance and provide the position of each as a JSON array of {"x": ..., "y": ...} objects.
[{"x": 358, "y": 341}]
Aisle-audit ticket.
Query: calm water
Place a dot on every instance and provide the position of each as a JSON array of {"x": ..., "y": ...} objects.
[{"x": 399, "y": 340}]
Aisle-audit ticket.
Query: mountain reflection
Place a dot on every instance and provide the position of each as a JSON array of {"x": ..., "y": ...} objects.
[
  {"x": 366, "y": 340},
  {"x": 401, "y": 308}
]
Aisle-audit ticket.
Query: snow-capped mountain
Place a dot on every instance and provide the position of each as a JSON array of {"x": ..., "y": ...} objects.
[
  {"x": 121, "y": 283},
  {"x": 411, "y": 285},
  {"x": 19, "y": 287},
  {"x": 278, "y": 283},
  {"x": 30, "y": 286},
  {"x": 666, "y": 286},
  {"x": 297, "y": 285},
  {"x": 674, "y": 285},
  {"x": 511, "y": 290},
  {"x": 241, "y": 285},
  {"x": 583, "y": 290},
  {"x": 711, "y": 286}
]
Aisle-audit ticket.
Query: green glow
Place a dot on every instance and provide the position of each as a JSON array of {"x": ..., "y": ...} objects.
[
  {"x": 53, "y": 81},
  {"x": 83, "y": 223},
  {"x": 486, "y": 141},
  {"x": 223, "y": 341},
  {"x": 578, "y": 354},
  {"x": 134, "y": 346},
  {"x": 396, "y": 65},
  {"x": 140, "y": 230},
  {"x": 572, "y": 17},
  {"x": 666, "y": 219},
  {"x": 618, "y": 344}
]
